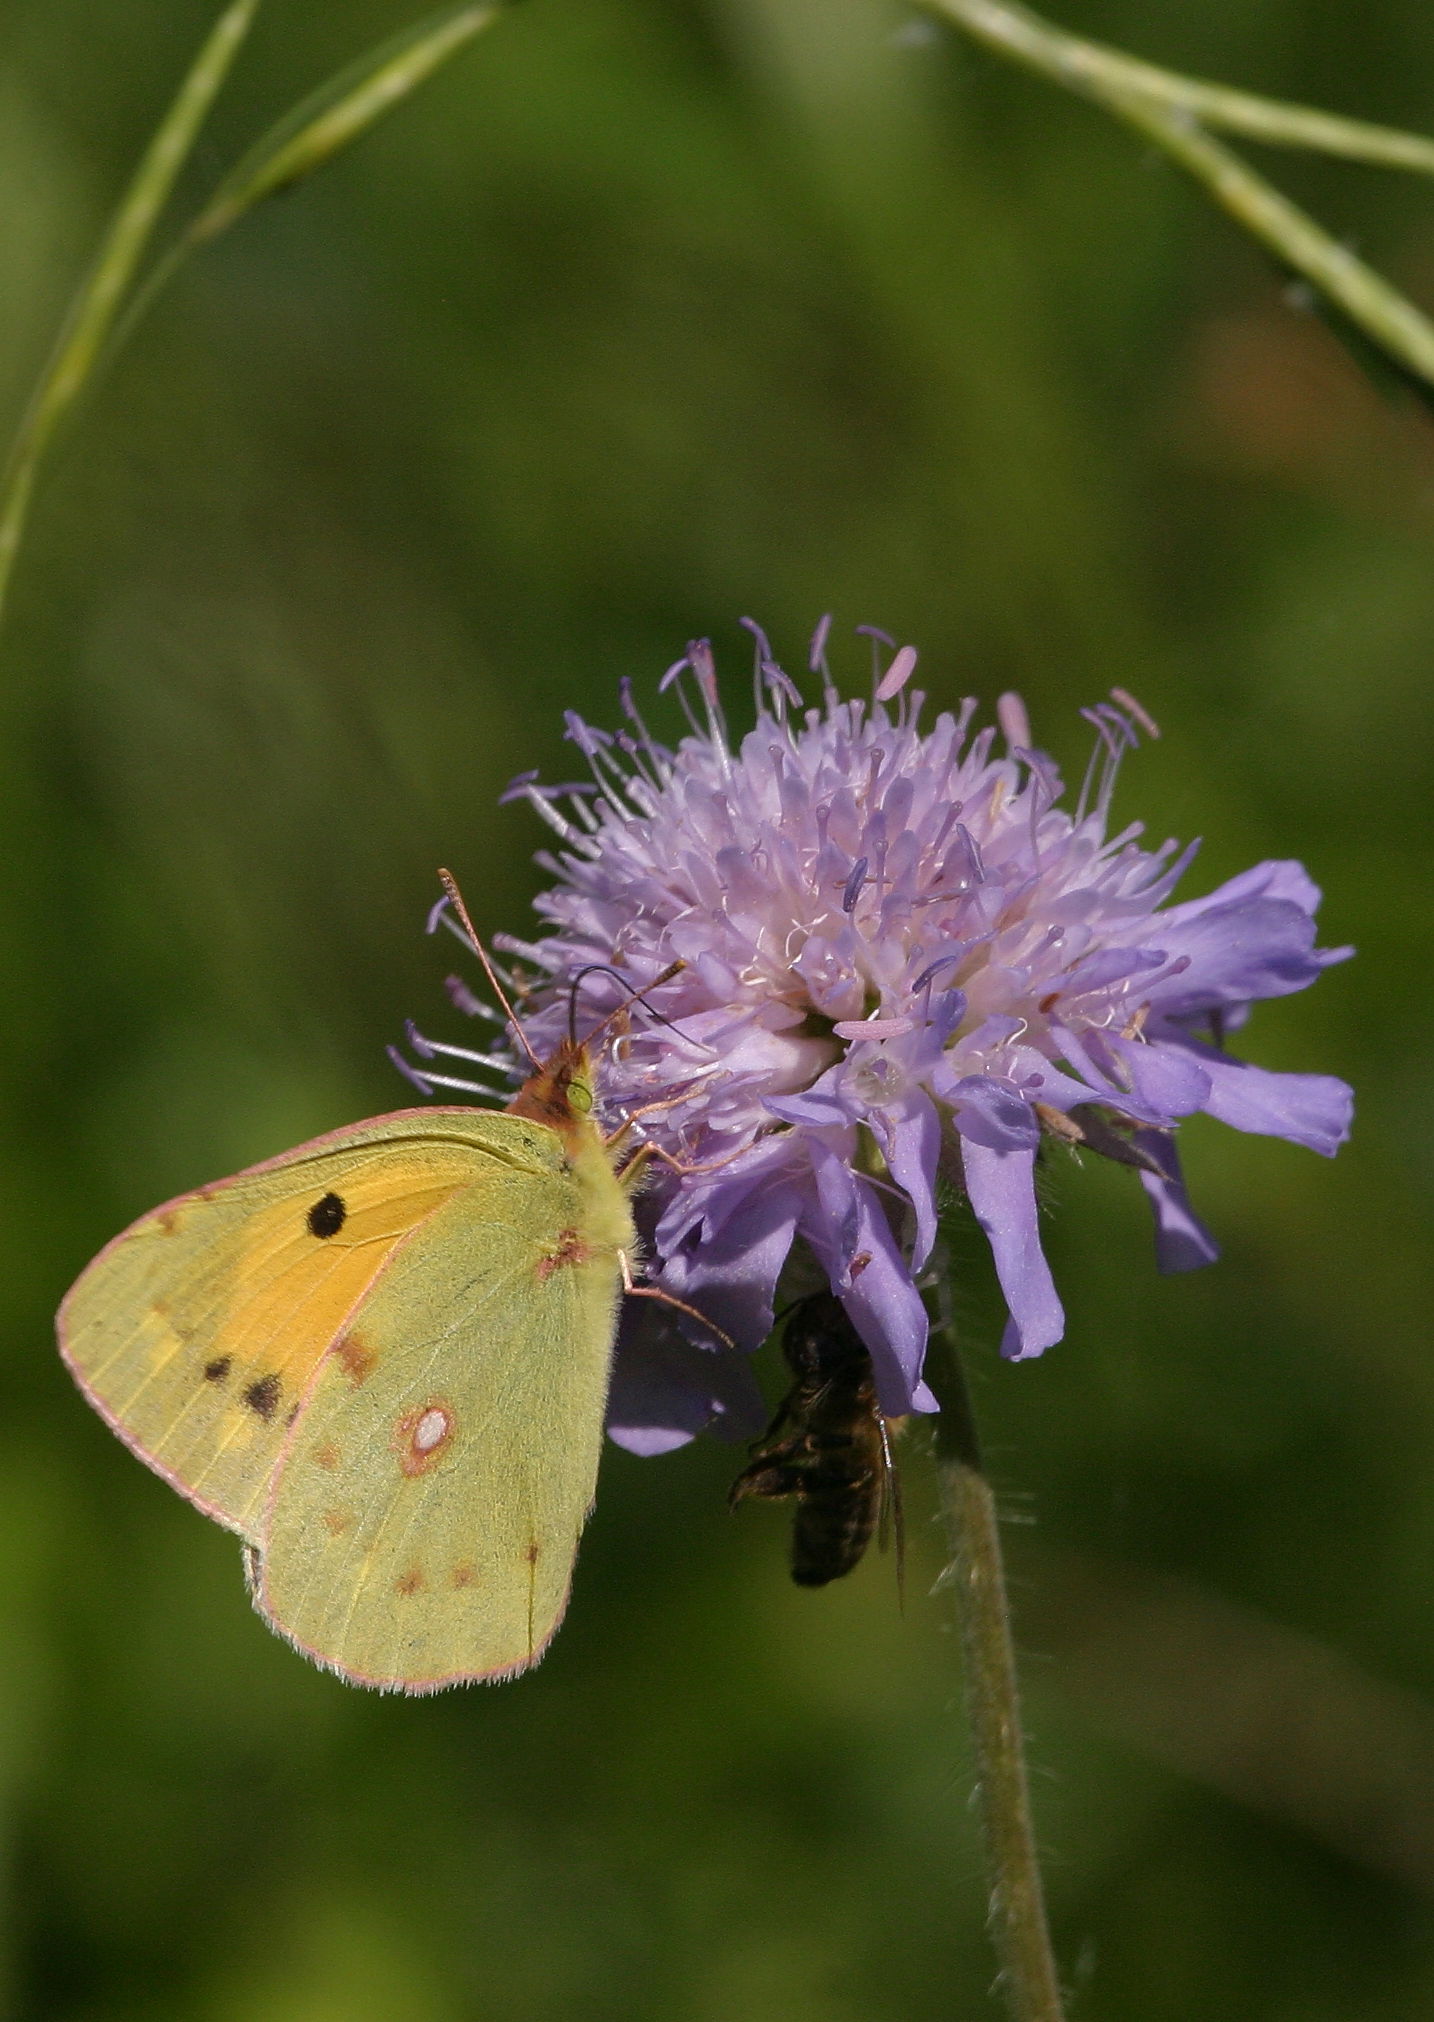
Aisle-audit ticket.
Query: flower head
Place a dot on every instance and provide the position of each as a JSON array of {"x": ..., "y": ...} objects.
[{"x": 904, "y": 961}]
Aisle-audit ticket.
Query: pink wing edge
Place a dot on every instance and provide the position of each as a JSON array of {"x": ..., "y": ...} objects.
[{"x": 409, "y": 1688}]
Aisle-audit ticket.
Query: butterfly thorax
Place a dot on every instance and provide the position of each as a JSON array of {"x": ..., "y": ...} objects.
[{"x": 560, "y": 1095}]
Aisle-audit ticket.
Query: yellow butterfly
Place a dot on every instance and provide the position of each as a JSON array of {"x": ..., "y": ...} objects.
[{"x": 383, "y": 1359}]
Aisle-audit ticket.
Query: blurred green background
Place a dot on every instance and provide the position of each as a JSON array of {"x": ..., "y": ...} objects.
[{"x": 648, "y": 314}]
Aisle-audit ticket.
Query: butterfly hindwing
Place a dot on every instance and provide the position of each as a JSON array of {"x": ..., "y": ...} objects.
[{"x": 425, "y": 1516}]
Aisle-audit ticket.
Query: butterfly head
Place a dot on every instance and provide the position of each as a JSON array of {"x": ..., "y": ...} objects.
[{"x": 560, "y": 1094}]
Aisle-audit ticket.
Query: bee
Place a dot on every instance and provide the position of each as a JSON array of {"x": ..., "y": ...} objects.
[{"x": 828, "y": 1447}]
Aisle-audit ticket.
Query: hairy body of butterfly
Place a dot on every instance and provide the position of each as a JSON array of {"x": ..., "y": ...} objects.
[
  {"x": 383, "y": 1360},
  {"x": 827, "y": 1447}
]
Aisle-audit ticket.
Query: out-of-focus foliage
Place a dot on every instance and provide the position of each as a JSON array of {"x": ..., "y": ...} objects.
[{"x": 647, "y": 314}]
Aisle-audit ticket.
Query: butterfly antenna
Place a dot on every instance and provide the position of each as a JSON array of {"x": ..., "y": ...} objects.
[
  {"x": 450, "y": 885},
  {"x": 633, "y": 997}
]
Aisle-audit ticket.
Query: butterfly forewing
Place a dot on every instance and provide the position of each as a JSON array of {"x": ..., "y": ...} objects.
[{"x": 197, "y": 1332}]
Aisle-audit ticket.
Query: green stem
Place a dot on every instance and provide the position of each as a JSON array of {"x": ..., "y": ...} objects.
[
  {"x": 311, "y": 134},
  {"x": 335, "y": 115},
  {"x": 1017, "y": 1909},
  {"x": 1168, "y": 110},
  {"x": 93, "y": 310},
  {"x": 1403, "y": 332},
  {"x": 322, "y": 126},
  {"x": 1091, "y": 67}
]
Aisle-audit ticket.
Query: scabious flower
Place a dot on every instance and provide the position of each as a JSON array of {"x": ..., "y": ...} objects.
[{"x": 905, "y": 963}]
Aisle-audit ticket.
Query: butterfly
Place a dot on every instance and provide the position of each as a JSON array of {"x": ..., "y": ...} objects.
[{"x": 382, "y": 1358}]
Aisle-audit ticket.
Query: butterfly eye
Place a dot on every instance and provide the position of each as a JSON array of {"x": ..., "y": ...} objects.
[{"x": 580, "y": 1096}]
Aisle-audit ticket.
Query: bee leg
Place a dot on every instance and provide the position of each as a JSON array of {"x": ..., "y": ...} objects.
[{"x": 774, "y": 1474}]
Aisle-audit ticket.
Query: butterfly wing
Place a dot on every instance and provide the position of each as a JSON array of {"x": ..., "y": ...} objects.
[
  {"x": 382, "y": 1359},
  {"x": 425, "y": 1516},
  {"x": 196, "y": 1332}
]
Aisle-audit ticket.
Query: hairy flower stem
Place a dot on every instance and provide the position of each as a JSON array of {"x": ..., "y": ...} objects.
[{"x": 1018, "y": 1911}]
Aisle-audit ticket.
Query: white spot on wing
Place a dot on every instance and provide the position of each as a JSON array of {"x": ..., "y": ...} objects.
[{"x": 430, "y": 1430}]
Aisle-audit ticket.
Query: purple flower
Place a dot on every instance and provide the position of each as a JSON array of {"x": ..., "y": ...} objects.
[{"x": 906, "y": 964}]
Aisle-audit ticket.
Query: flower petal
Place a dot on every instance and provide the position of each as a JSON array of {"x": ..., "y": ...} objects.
[
  {"x": 1165, "y": 1076},
  {"x": 992, "y": 1113},
  {"x": 824, "y": 1104},
  {"x": 665, "y": 1390},
  {"x": 872, "y": 1279},
  {"x": 1002, "y": 1189},
  {"x": 728, "y": 1269},
  {"x": 1039, "y": 1080},
  {"x": 1311, "y": 1109},
  {"x": 1275, "y": 878},
  {"x": 909, "y": 1133},
  {"x": 1250, "y": 947},
  {"x": 1182, "y": 1241}
]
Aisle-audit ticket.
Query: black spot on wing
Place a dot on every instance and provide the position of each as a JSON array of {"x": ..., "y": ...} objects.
[
  {"x": 262, "y": 1397},
  {"x": 218, "y": 1369},
  {"x": 327, "y": 1216}
]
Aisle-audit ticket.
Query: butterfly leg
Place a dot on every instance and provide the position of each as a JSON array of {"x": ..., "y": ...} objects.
[{"x": 635, "y": 1291}]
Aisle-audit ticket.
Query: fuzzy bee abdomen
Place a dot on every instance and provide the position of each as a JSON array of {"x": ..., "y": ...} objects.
[{"x": 831, "y": 1528}]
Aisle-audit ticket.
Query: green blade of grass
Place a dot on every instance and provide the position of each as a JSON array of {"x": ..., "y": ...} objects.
[
  {"x": 317, "y": 129},
  {"x": 1013, "y": 30},
  {"x": 1175, "y": 112},
  {"x": 1378, "y": 311},
  {"x": 338, "y": 113},
  {"x": 92, "y": 313}
]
